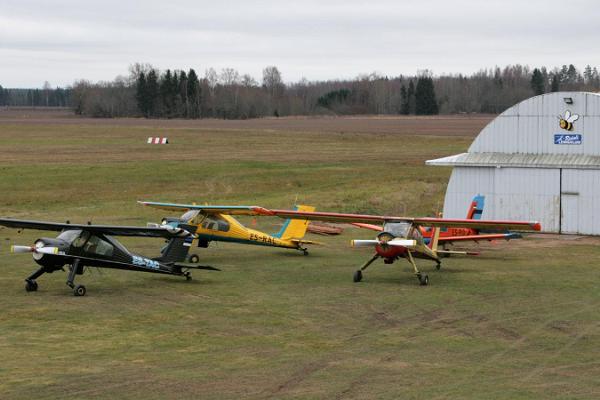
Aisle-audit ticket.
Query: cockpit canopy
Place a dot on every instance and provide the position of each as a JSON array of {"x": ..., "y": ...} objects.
[
  {"x": 403, "y": 230},
  {"x": 398, "y": 229},
  {"x": 87, "y": 242}
]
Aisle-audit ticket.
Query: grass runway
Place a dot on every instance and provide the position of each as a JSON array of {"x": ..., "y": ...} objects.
[{"x": 518, "y": 322}]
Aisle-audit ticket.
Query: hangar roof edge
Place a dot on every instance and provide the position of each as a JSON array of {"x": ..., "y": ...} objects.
[{"x": 578, "y": 161}]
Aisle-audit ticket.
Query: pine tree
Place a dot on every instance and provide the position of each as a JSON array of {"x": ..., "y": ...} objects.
[
  {"x": 426, "y": 104},
  {"x": 410, "y": 95},
  {"x": 404, "y": 105},
  {"x": 166, "y": 94},
  {"x": 194, "y": 94},
  {"x": 141, "y": 94},
  {"x": 152, "y": 93},
  {"x": 555, "y": 85},
  {"x": 183, "y": 94},
  {"x": 537, "y": 82}
]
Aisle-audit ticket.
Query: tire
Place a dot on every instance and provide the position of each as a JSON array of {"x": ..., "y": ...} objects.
[
  {"x": 194, "y": 259},
  {"x": 31, "y": 286},
  {"x": 357, "y": 276},
  {"x": 79, "y": 290},
  {"x": 423, "y": 280}
]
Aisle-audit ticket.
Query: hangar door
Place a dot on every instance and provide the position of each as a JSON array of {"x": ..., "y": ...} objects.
[
  {"x": 580, "y": 190},
  {"x": 528, "y": 194}
]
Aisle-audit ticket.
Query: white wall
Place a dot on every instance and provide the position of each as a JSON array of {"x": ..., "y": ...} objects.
[
  {"x": 510, "y": 193},
  {"x": 529, "y": 127}
]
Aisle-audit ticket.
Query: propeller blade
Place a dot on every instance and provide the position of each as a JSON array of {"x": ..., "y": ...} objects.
[
  {"x": 47, "y": 250},
  {"x": 402, "y": 242},
  {"x": 22, "y": 249},
  {"x": 31, "y": 249},
  {"x": 364, "y": 243}
]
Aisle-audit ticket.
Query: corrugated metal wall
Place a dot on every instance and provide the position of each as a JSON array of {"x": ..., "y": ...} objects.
[
  {"x": 580, "y": 201},
  {"x": 528, "y": 127},
  {"x": 510, "y": 193},
  {"x": 563, "y": 200}
]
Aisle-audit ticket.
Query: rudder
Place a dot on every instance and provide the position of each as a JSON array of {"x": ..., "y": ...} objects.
[{"x": 295, "y": 228}]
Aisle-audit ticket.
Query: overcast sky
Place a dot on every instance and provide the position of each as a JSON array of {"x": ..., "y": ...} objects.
[{"x": 62, "y": 40}]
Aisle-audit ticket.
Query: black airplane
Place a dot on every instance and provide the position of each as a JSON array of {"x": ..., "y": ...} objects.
[{"x": 80, "y": 246}]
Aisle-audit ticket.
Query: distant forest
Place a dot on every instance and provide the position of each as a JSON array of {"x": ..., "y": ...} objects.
[{"x": 148, "y": 92}]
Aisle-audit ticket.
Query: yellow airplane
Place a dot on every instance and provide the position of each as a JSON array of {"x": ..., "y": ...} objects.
[{"x": 216, "y": 223}]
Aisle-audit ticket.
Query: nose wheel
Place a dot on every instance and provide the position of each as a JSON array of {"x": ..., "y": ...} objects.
[{"x": 31, "y": 285}]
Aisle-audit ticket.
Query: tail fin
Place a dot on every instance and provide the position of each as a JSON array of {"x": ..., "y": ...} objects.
[
  {"x": 177, "y": 248},
  {"x": 294, "y": 228},
  {"x": 476, "y": 207}
]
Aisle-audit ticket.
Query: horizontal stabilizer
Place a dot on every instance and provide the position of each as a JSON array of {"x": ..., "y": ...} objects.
[
  {"x": 462, "y": 253},
  {"x": 196, "y": 266},
  {"x": 481, "y": 237},
  {"x": 302, "y": 241}
]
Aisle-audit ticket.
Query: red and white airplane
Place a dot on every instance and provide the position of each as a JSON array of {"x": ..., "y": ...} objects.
[
  {"x": 402, "y": 237},
  {"x": 453, "y": 234}
]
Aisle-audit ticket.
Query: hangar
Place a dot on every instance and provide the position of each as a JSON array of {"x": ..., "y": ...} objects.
[{"x": 538, "y": 160}]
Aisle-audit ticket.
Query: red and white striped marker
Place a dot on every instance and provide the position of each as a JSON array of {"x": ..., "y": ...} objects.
[{"x": 158, "y": 140}]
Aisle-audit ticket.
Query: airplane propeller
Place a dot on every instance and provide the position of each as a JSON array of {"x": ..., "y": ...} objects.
[
  {"x": 375, "y": 242},
  {"x": 34, "y": 249}
]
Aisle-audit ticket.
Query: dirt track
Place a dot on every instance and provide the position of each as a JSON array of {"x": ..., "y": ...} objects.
[{"x": 450, "y": 125}]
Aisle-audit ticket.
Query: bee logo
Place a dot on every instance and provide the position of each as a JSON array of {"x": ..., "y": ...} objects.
[{"x": 566, "y": 122}]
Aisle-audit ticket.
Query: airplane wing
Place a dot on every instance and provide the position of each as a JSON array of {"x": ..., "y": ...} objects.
[
  {"x": 433, "y": 222},
  {"x": 231, "y": 210},
  {"x": 477, "y": 238},
  {"x": 103, "y": 229}
]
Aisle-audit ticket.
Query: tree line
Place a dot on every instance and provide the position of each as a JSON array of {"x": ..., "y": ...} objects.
[
  {"x": 151, "y": 93},
  {"x": 45, "y": 97}
]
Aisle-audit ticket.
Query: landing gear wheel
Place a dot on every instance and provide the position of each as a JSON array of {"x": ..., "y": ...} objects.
[
  {"x": 438, "y": 266},
  {"x": 31, "y": 285},
  {"x": 357, "y": 276},
  {"x": 194, "y": 259},
  {"x": 305, "y": 252},
  {"x": 423, "y": 280},
  {"x": 188, "y": 276},
  {"x": 79, "y": 290}
]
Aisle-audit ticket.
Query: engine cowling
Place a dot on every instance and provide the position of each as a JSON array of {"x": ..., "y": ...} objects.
[{"x": 49, "y": 261}]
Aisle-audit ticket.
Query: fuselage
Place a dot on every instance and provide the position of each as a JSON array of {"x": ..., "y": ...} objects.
[
  {"x": 225, "y": 228},
  {"x": 402, "y": 230}
]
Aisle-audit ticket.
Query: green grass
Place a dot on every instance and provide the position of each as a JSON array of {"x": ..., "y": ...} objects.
[{"x": 519, "y": 322}]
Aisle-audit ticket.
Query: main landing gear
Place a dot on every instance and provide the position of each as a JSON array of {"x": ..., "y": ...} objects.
[
  {"x": 76, "y": 267},
  {"x": 304, "y": 250},
  {"x": 423, "y": 278}
]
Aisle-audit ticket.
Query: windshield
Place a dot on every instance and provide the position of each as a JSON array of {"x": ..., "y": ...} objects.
[
  {"x": 188, "y": 216},
  {"x": 398, "y": 229},
  {"x": 69, "y": 236},
  {"x": 215, "y": 223}
]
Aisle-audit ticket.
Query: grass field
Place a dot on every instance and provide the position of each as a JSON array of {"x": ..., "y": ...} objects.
[{"x": 519, "y": 322}]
